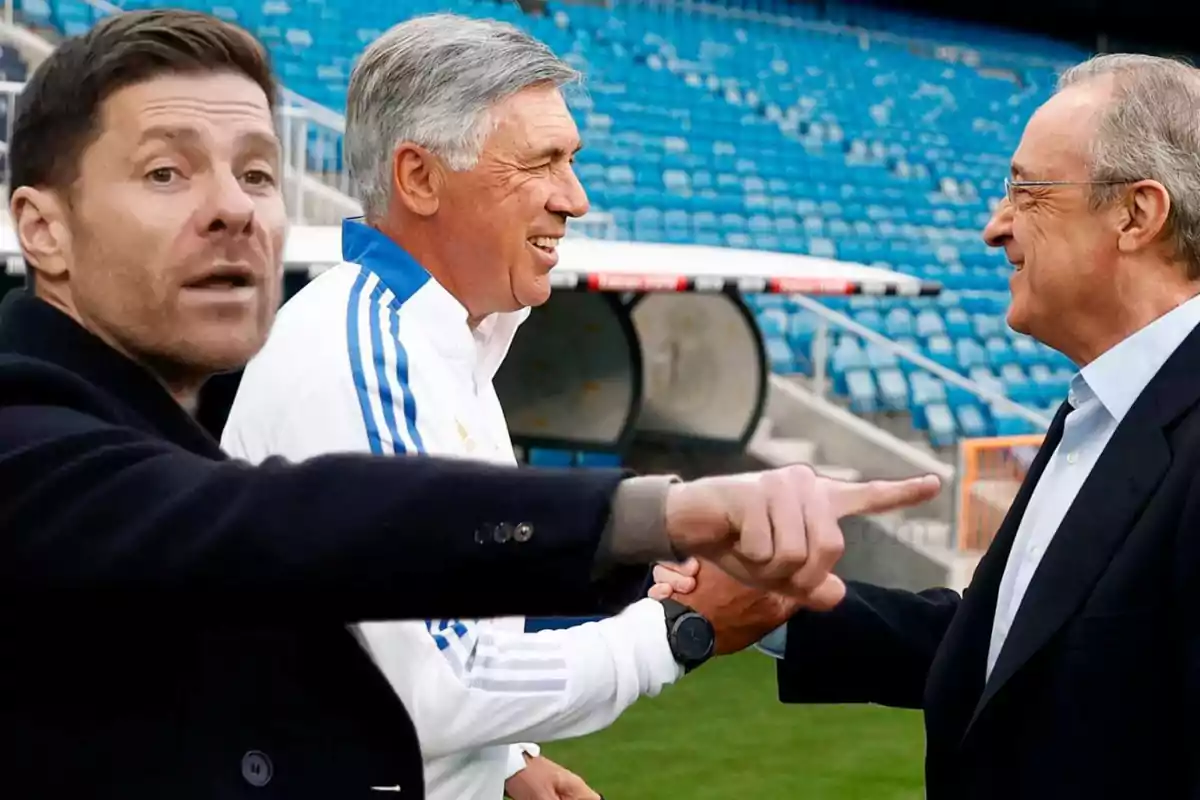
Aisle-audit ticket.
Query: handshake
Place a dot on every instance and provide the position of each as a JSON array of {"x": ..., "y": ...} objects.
[{"x": 762, "y": 546}]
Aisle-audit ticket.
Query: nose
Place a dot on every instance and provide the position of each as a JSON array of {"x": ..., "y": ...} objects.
[
  {"x": 999, "y": 227},
  {"x": 230, "y": 208},
  {"x": 569, "y": 198}
]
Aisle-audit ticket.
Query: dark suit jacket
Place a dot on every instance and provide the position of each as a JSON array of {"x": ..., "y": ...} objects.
[
  {"x": 1096, "y": 693},
  {"x": 174, "y": 623}
]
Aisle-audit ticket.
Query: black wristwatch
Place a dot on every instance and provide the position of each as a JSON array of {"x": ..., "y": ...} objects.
[{"x": 689, "y": 634}]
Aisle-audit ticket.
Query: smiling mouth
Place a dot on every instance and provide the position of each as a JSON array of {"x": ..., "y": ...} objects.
[{"x": 547, "y": 244}]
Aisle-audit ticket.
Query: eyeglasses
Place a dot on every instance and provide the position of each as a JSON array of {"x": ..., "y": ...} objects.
[{"x": 1010, "y": 185}]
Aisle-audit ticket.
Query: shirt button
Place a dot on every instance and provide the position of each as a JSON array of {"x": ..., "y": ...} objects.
[
  {"x": 256, "y": 768},
  {"x": 1072, "y": 458},
  {"x": 523, "y": 532},
  {"x": 503, "y": 533}
]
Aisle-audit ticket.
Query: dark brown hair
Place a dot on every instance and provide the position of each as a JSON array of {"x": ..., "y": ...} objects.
[{"x": 58, "y": 113}]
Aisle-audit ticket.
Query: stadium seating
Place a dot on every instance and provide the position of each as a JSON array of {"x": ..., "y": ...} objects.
[{"x": 758, "y": 124}]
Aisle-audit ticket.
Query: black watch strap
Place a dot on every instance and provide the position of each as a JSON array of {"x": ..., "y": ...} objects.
[{"x": 689, "y": 635}]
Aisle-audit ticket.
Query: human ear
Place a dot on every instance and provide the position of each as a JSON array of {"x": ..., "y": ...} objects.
[
  {"x": 417, "y": 179},
  {"x": 39, "y": 220},
  {"x": 1144, "y": 213}
]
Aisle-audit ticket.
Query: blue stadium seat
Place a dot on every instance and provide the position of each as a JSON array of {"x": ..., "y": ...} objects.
[
  {"x": 958, "y": 323},
  {"x": 880, "y": 357},
  {"x": 899, "y": 322},
  {"x": 929, "y": 324},
  {"x": 848, "y": 356},
  {"x": 925, "y": 391},
  {"x": 940, "y": 350},
  {"x": 971, "y": 421},
  {"x": 779, "y": 355},
  {"x": 893, "y": 389},
  {"x": 1009, "y": 424},
  {"x": 860, "y": 385},
  {"x": 1017, "y": 385},
  {"x": 751, "y": 131},
  {"x": 941, "y": 426},
  {"x": 773, "y": 322},
  {"x": 969, "y": 353},
  {"x": 598, "y": 460},
  {"x": 542, "y": 457},
  {"x": 1000, "y": 352},
  {"x": 1026, "y": 352}
]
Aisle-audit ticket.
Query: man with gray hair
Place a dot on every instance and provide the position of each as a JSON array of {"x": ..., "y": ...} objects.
[
  {"x": 422, "y": 365},
  {"x": 424, "y": 100},
  {"x": 461, "y": 144},
  {"x": 1070, "y": 667}
]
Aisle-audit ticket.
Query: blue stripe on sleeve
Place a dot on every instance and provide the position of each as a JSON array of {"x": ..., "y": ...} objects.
[
  {"x": 386, "y": 400},
  {"x": 377, "y": 360},
  {"x": 410, "y": 401},
  {"x": 356, "y": 361}
]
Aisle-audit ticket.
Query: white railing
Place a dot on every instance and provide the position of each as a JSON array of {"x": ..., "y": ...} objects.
[
  {"x": 832, "y": 319},
  {"x": 312, "y": 137}
]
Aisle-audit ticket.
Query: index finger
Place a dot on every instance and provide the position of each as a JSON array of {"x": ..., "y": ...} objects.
[{"x": 847, "y": 498}]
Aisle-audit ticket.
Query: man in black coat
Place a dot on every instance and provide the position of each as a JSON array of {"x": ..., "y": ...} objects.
[
  {"x": 1070, "y": 667},
  {"x": 174, "y": 622}
]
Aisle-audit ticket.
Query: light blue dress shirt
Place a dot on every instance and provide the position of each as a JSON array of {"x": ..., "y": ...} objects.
[{"x": 1100, "y": 396}]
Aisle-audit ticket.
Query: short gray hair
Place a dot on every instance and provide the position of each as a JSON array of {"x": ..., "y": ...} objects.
[
  {"x": 432, "y": 80},
  {"x": 1150, "y": 130}
]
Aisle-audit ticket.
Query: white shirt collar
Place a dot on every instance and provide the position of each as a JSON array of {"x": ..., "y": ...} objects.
[{"x": 1120, "y": 374}]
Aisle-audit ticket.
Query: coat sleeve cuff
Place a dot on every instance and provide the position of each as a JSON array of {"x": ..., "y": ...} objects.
[{"x": 637, "y": 527}]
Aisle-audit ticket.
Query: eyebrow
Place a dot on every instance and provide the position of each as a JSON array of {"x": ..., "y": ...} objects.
[
  {"x": 1016, "y": 170},
  {"x": 555, "y": 152},
  {"x": 254, "y": 140}
]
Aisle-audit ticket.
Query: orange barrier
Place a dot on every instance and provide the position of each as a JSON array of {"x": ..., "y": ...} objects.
[{"x": 990, "y": 471}]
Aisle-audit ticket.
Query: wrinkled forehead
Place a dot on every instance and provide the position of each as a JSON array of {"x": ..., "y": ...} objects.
[
  {"x": 533, "y": 122},
  {"x": 1058, "y": 137},
  {"x": 218, "y": 112}
]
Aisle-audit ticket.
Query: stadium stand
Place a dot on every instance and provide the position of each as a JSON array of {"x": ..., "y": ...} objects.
[{"x": 772, "y": 125}]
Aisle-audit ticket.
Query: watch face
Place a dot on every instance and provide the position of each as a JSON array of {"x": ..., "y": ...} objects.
[{"x": 693, "y": 637}]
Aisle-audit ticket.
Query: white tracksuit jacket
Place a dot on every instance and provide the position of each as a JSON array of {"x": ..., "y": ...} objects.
[{"x": 375, "y": 356}]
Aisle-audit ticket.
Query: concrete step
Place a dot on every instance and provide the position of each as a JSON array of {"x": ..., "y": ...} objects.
[
  {"x": 837, "y": 473},
  {"x": 786, "y": 451},
  {"x": 924, "y": 532},
  {"x": 783, "y": 451}
]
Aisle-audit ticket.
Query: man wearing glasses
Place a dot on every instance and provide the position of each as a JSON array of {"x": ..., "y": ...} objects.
[{"x": 1071, "y": 665}]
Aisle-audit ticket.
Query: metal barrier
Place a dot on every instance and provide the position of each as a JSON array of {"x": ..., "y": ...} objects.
[
  {"x": 832, "y": 319},
  {"x": 990, "y": 472}
]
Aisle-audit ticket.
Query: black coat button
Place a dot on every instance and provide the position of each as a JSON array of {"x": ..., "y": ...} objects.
[
  {"x": 503, "y": 533},
  {"x": 523, "y": 532},
  {"x": 256, "y": 768}
]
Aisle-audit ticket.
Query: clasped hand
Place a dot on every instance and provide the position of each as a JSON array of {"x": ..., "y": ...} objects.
[{"x": 778, "y": 530}]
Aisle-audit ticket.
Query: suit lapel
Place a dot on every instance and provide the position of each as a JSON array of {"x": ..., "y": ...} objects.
[
  {"x": 954, "y": 689},
  {"x": 985, "y": 585},
  {"x": 1097, "y": 523},
  {"x": 1109, "y": 502}
]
